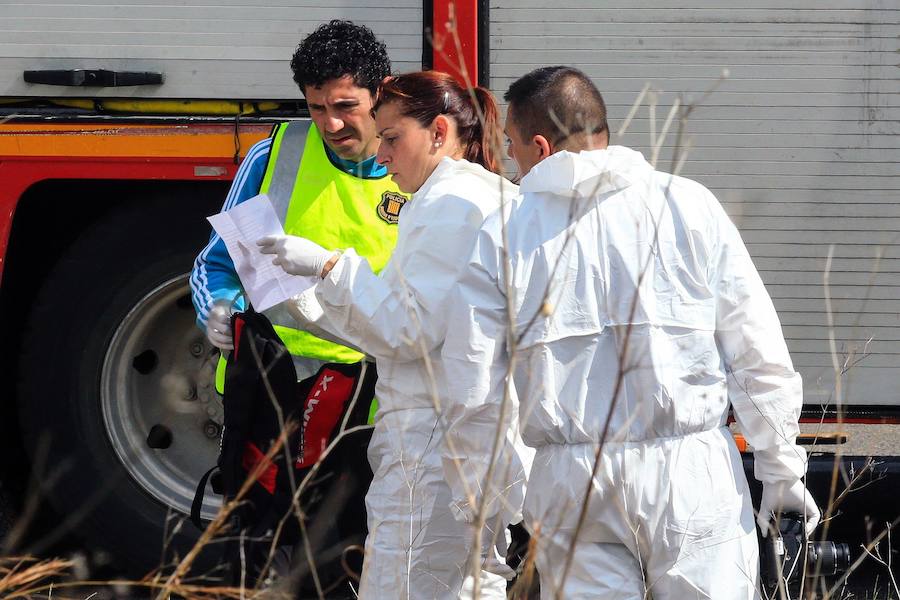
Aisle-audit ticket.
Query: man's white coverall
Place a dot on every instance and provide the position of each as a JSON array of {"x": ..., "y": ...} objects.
[
  {"x": 415, "y": 548},
  {"x": 639, "y": 319}
]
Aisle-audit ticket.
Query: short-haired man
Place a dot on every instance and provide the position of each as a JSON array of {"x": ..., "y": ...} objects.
[
  {"x": 313, "y": 173},
  {"x": 637, "y": 321}
]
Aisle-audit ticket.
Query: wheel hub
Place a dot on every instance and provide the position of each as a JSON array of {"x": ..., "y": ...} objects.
[{"x": 158, "y": 398}]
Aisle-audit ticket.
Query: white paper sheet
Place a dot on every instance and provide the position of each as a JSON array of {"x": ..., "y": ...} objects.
[{"x": 265, "y": 284}]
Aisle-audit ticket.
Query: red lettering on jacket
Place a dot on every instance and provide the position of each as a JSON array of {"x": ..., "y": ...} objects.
[{"x": 322, "y": 411}]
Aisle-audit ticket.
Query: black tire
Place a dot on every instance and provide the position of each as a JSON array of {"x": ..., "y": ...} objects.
[
  {"x": 8, "y": 513},
  {"x": 84, "y": 302}
]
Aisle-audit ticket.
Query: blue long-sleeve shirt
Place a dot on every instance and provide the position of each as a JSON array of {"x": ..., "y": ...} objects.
[{"x": 213, "y": 276}]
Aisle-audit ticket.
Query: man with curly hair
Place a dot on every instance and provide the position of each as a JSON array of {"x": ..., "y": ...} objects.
[
  {"x": 325, "y": 185},
  {"x": 312, "y": 173}
]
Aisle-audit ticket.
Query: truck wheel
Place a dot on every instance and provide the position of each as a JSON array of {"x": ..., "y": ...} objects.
[{"x": 117, "y": 384}]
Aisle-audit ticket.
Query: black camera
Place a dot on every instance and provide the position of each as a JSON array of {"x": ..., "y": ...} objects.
[{"x": 789, "y": 555}]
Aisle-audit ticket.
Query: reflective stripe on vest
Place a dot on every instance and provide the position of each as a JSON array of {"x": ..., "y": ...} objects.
[
  {"x": 322, "y": 203},
  {"x": 220, "y": 373}
]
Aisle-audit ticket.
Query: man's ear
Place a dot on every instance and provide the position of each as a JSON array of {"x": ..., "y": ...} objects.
[{"x": 544, "y": 146}]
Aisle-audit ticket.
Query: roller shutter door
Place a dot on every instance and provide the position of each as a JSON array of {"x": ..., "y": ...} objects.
[
  {"x": 219, "y": 49},
  {"x": 800, "y": 143}
]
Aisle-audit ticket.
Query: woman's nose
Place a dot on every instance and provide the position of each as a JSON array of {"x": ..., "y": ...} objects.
[{"x": 381, "y": 156}]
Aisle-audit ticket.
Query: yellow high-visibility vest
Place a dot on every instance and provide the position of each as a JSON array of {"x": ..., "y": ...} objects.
[
  {"x": 331, "y": 208},
  {"x": 317, "y": 200}
]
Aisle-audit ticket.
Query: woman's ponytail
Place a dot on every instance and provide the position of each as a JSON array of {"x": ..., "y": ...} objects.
[{"x": 486, "y": 143}]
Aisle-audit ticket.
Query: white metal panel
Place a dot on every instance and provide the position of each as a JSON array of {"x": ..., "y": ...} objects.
[
  {"x": 230, "y": 49},
  {"x": 800, "y": 143}
]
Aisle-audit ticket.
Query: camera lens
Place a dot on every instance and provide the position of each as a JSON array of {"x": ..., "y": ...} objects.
[{"x": 829, "y": 558}]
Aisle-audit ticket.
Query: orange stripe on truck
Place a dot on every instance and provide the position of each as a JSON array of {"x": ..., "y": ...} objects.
[{"x": 126, "y": 140}]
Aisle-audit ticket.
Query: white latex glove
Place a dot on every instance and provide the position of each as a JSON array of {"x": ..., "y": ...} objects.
[
  {"x": 296, "y": 255},
  {"x": 218, "y": 326},
  {"x": 783, "y": 497}
]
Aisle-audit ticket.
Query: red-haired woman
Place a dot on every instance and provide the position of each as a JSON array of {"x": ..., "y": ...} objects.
[{"x": 439, "y": 142}]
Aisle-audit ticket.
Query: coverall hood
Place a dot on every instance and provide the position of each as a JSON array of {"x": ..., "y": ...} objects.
[{"x": 586, "y": 173}]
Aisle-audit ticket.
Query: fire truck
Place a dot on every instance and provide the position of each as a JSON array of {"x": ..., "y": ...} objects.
[{"x": 122, "y": 124}]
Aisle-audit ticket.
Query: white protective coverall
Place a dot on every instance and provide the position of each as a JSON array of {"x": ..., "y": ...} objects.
[
  {"x": 415, "y": 547},
  {"x": 639, "y": 318}
]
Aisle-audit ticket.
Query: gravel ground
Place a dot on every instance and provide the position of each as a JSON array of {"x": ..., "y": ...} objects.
[{"x": 862, "y": 439}]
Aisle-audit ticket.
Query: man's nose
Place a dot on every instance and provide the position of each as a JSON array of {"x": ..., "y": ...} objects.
[{"x": 333, "y": 124}]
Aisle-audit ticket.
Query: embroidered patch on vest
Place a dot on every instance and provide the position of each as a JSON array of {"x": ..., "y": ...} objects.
[{"x": 390, "y": 205}]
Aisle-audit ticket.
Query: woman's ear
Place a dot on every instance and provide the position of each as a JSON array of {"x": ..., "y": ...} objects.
[{"x": 440, "y": 127}]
